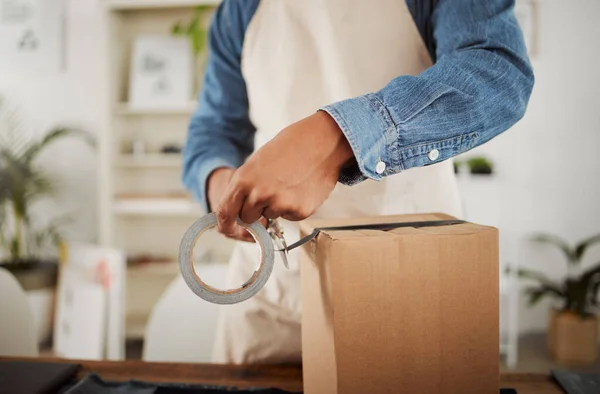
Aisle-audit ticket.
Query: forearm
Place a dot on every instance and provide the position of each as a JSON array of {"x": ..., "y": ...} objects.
[
  {"x": 207, "y": 149},
  {"x": 220, "y": 132},
  {"x": 478, "y": 88}
]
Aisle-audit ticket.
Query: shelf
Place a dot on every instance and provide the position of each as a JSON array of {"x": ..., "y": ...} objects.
[
  {"x": 150, "y": 160},
  {"x": 156, "y": 207},
  {"x": 160, "y": 269},
  {"x": 125, "y": 5},
  {"x": 124, "y": 109}
]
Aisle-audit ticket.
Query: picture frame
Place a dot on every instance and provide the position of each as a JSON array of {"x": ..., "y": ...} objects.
[
  {"x": 161, "y": 75},
  {"x": 32, "y": 35}
]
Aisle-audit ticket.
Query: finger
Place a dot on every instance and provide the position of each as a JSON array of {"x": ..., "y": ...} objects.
[
  {"x": 228, "y": 211},
  {"x": 296, "y": 215},
  {"x": 244, "y": 235},
  {"x": 292, "y": 217},
  {"x": 263, "y": 221},
  {"x": 240, "y": 234},
  {"x": 252, "y": 209},
  {"x": 272, "y": 212}
]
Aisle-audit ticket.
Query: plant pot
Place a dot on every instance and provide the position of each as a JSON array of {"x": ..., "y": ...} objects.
[
  {"x": 38, "y": 279},
  {"x": 572, "y": 339}
]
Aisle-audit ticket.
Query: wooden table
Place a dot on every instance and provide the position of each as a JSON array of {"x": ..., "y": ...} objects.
[{"x": 284, "y": 377}]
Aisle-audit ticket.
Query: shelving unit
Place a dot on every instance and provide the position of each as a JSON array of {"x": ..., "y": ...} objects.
[
  {"x": 124, "y": 5},
  {"x": 143, "y": 207},
  {"x": 165, "y": 208},
  {"x": 124, "y": 109},
  {"x": 149, "y": 160}
]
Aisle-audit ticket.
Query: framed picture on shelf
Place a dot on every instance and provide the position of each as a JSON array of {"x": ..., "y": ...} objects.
[{"x": 161, "y": 73}]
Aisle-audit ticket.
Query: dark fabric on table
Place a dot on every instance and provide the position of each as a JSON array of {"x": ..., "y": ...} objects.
[
  {"x": 23, "y": 377},
  {"x": 93, "y": 384},
  {"x": 578, "y": 383}
]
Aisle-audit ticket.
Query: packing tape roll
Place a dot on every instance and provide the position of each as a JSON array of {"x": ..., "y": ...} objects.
[{"x": 210, "y": 293}]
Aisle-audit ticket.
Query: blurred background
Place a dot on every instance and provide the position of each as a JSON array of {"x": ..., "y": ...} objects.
[{"x": 95, "y": 99}]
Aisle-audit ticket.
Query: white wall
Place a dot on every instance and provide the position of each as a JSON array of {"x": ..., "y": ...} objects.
[
  {"x": 73, "y": 97},
  {"x": 548, "y": 166}
]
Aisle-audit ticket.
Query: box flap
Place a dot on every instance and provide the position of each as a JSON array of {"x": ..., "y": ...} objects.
[{"x": 308, "y": 226}]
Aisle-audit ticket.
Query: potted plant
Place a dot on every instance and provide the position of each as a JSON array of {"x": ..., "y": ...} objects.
[
  {"x": 479, "y": 165},
  {"x": 573, "y": 326},
  {"x": 24, "y": 242}
]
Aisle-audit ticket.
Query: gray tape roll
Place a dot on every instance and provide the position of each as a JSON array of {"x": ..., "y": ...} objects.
[{"x": 212, "y": 294}]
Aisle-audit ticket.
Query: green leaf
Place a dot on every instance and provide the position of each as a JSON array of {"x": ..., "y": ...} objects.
[
  {"x": 2, "y": 220},
  {"x": 537, "y": 276},
  {"x": 194, "y": 30},
  {"x": 49, "y": 235},
  {"x": 201, "y": 9},
  {"x": 196, "y": 44},
  {"x": 193, "y": 25},
  {"x": 595, "y": 293},
  {"x": 537, "y": 293},
  {"x": 480, "y": 164},
  {"x": 559, "y": 243},
  {"x": 592, "y": 271},
  {"x": 15, "y": 248},
  {"x": 177, "y": 29},
  {"x": 56, "y": 134},
  {"x": 583, "y": 246}
]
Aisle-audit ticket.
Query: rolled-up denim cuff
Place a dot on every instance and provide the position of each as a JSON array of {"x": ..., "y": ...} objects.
[
  {"x": 204, "y": 171},
  {"x": 371, "y": 134}
]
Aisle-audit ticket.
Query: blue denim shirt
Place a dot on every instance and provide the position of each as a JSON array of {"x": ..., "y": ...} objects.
[{"x": 478, "y": 87}]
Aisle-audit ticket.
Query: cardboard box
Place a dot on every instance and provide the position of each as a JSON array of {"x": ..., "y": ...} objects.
[{"x": 410, "y": 310}]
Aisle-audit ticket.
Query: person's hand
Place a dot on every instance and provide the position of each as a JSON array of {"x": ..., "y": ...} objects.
[
  {"x": 289, "y": 177},
  {"x": 216, "y": 187}
]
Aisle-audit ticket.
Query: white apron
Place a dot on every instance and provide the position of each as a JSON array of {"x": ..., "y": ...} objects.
[{"x": 300, "y": 55}]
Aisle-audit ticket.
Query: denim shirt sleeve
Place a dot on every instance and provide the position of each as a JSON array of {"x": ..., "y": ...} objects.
[
  {"x": 220, "y": 132},
  {"x": 478, "y": 88}
]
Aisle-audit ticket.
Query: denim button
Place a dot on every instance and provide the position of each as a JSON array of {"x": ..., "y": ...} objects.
[
  {"x": 433, "y": 155},
  {"x": 380, "y": 168}
]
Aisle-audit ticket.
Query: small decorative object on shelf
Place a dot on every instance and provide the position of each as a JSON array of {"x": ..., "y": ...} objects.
[
  {"x": 573, "y": 331},
  {"x": 480, "y": 166},
  {"x": 171, "y": 149},
  {"x": 138, "y": 148}
]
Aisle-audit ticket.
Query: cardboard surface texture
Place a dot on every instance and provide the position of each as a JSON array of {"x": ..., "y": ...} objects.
[{"x": 411, "y": 310}]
